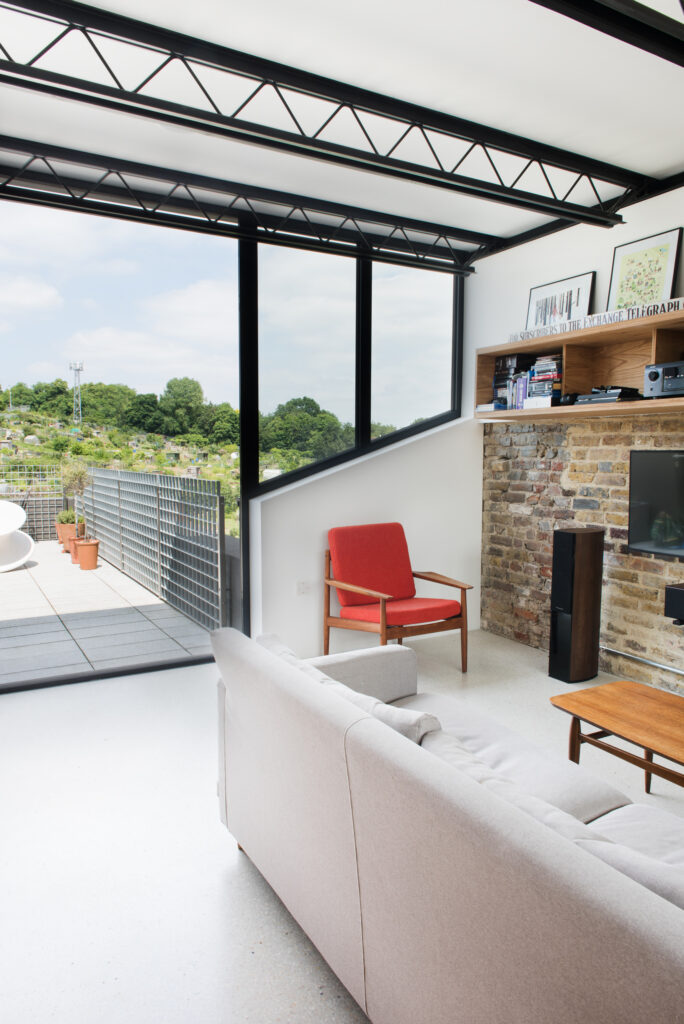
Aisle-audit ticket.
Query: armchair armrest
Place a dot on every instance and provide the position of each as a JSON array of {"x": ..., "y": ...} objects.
[
  {"x": 436, "y": 577},
  {"x": 357, "y": 590},
  {"x": 386, "y": 673}
]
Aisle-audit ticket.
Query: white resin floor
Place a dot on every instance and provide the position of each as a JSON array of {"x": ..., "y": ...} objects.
[
  {"x": 124, "y": 901},
  {"x": 56, "y": 619}
]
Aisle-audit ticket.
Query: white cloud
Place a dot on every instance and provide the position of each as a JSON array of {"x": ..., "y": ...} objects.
[
  {"x": 27, "y": 293},
  {"x": 146, "y": 361},
  {"x": 205, "y": 311}
]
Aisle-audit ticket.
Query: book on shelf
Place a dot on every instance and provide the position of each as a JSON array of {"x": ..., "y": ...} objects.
[{"x": 541, "y": 401}]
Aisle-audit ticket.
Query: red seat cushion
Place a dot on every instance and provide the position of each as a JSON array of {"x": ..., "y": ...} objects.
[
  {"x": 374, "y": 556},
  {"x": 405, "y": 613}
]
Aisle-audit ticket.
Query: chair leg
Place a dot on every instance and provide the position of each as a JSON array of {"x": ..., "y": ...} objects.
[
  {"x": 326, "y": 638},
  {"x": 464, "y": 649}
]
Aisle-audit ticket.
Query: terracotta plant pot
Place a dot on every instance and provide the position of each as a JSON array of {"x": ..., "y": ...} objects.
[
  {"x": 58, "y": 530},
  {"x": 68, "y": 531},
  {"x": 87, "y": 553},
  {"x": 73, "y": 548}
]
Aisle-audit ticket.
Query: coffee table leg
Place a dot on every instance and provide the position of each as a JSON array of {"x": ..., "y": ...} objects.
[
  {"x": 574, "y": 749},
  {"x": 648, "y": 754}
]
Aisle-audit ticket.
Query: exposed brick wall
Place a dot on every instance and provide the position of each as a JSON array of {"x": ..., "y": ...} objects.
[{"x": 538, "y": 477}]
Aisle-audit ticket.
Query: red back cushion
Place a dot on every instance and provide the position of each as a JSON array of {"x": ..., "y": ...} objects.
[{"x": 374, "y": 556}]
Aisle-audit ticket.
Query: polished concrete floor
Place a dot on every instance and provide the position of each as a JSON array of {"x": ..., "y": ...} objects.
[
  {"x": 124, "y": 901},
  {"x": 57, "y": 620}
]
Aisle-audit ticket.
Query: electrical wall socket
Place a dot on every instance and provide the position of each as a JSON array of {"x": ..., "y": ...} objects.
[{"x": 303, "y": 587}]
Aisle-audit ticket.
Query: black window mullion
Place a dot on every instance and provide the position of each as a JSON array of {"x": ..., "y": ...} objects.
[
  {"x": 364, "y": 299},
  {"x": 457, "y": 351},
  {"x": 248, "y": 291}
]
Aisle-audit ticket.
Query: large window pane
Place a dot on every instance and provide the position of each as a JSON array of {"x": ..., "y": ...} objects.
[
  {"x": 411, "y": 346},
  {"x": 307, "y": 345},
  {"x": 130, "y": 441}
]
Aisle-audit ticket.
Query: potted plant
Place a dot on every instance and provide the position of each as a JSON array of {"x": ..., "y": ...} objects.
[
  {"x": 67, "y": 521},
  {"x": 87, "y": 548},
  {"x": 76, "y": 537},
  {"x": 75, "y": 479}
]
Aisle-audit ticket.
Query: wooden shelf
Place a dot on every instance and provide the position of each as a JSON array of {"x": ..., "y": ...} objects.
[{"x": 610, "y": 354}]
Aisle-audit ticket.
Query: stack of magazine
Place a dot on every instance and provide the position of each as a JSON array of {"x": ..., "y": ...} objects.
[
  {"x": 508, "y": 370},
  {"x": 544, "y": 385}
]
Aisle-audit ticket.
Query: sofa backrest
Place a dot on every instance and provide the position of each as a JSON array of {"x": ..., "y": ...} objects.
[
  {"x": 474, "y": 912},
  {"x": 284, "y": 782}
]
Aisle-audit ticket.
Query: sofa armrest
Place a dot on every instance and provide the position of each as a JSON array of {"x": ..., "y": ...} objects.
[{"x": 387, "y": 673}]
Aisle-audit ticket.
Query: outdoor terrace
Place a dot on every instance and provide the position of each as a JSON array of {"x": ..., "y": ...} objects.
[{"x": 56, "y": 620}]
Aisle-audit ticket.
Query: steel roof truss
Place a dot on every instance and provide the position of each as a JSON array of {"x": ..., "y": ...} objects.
[{"x": 421, "y": 137}]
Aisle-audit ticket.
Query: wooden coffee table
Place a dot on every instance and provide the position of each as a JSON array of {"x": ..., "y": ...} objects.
[{"x": 652, "y": 719}]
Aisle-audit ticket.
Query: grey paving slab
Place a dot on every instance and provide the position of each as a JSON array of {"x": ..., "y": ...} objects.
[
  {"x": 107, "y": 616},
  {"x": 134, "y": 627},
  {"x": 98, "y": 648},
  {"x": 140, "y": 659},
  {"x": 54, "y": 619},
  {"x": 29, "y": 675},
  {"x": 28, "y": 650},
  {"x": 32, "y": 639},
  {"x": 71, "y": 655},
  {"x": 32, "y": 627}
]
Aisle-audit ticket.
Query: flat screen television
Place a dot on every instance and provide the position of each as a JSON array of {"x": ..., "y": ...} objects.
[{"x": 656, "y": 502}]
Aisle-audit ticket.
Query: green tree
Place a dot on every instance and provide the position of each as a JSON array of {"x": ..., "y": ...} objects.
[
  {"x": 106, "y": 404},
  {"x": 52, "y": 397},
  {"x": 19, "y": 394},
  {"x": 181, "y": 405},
  {"x": 226, "y": 425},
  {"x": 143, "y": 414}
]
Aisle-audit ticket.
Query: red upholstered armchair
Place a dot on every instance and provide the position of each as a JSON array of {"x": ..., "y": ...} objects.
[{"x": 369, "y": 568}]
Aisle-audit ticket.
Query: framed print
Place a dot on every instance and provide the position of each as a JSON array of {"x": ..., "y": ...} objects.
[
  {"x": 559, "y": 301},
  {"x": 644, "y": 271}
]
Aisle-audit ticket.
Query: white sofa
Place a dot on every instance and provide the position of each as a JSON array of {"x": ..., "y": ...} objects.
[{"x": 464, "y": 879}]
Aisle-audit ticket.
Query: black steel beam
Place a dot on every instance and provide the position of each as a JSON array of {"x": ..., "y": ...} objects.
[
  {"x": 631, "y": 22},
  {"x": 251, "y": 133},
  {"x": 181, "y": 200},
  {"x": 79, "y": 17},
  {"x": 308, "y": 82},
  {"x": 658, "y": 186}
]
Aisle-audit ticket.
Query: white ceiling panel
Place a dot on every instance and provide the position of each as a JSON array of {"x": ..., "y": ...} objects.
[
  {"x": 508, "y": 64},
  {"x": 505, "y": 63}
]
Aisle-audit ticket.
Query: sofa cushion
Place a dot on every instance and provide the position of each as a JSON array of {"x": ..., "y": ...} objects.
[
  {"x": 412, "y": 724},
  {"x": 555, "y": 780},
  {"x": 647, "y": 830},
  {"x": 666, "y": 880},
  {"x": 415, "y": 725},
  {"x": 445, "y": 746}
]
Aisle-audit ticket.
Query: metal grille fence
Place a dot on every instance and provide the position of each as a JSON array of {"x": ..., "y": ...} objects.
[
  {"x": 38, "y": 489},
  {"x": 166, "y": 532}
]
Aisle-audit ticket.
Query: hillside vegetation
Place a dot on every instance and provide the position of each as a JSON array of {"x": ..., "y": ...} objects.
[{"x": 177, "y": 432}]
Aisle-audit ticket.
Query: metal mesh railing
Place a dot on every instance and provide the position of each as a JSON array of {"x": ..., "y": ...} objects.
[
  {"x": 38, "y": 489},
  {"x": 166, "y": 532}
]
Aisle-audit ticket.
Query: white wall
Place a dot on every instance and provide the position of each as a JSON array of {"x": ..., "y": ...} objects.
[
  {"x": 497, "y": 295},
  {"x": 432, "y": 484}
]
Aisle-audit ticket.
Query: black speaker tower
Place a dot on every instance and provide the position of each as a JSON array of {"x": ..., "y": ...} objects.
[{"x": 576, "y": 603}]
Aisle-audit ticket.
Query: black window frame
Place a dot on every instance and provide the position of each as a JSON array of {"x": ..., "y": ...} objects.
[{"x": 250, "y": 485}]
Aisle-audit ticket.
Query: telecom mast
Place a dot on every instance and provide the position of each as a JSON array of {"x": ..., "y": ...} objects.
[{"x": 78, "y": 369}]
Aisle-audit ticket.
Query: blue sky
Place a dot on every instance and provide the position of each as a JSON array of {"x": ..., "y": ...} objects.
[{"x": 140, "y": 304}]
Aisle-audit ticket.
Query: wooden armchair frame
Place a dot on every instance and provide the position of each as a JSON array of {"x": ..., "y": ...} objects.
[{"x": 394, "y": 632}]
